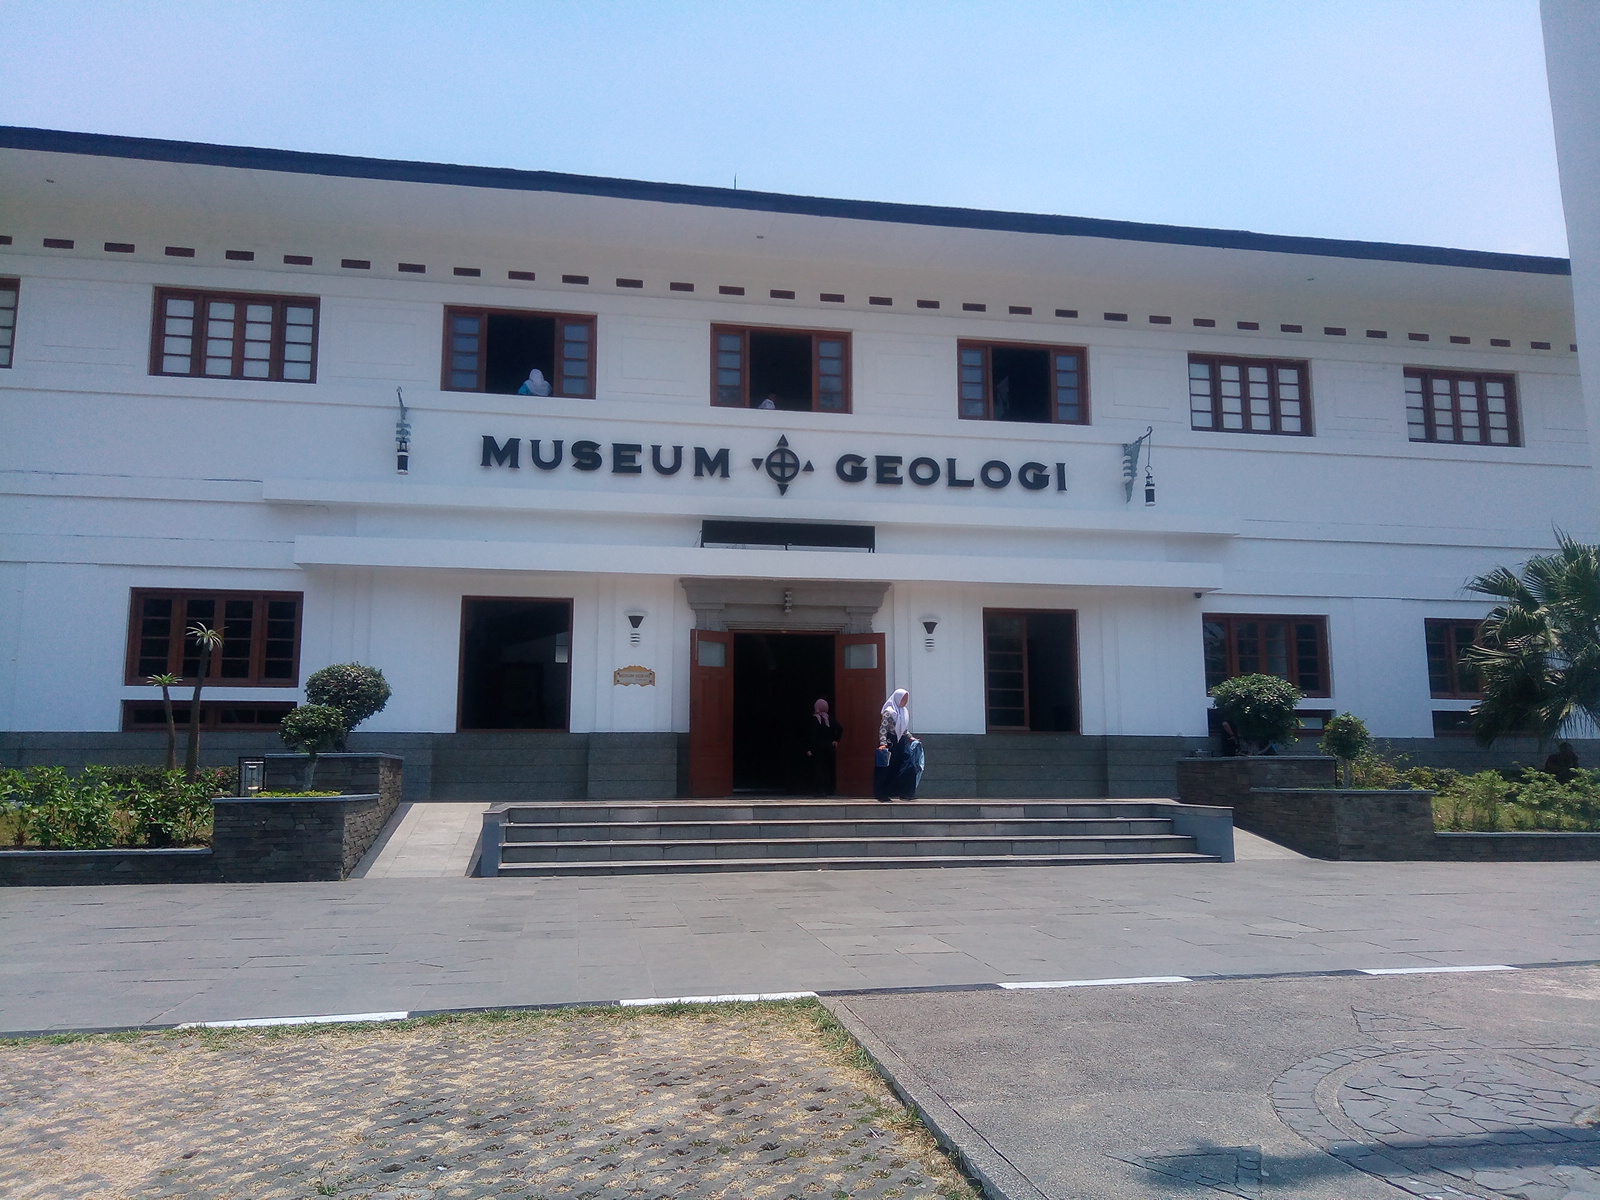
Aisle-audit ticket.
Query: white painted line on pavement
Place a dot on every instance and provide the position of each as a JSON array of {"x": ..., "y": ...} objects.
[
  {"x": 747, "y": 997},
  {"x": 1072, "y": 983},
  {"x": 1432, "y": 970},
  {"x": 340, "y": 1019}
]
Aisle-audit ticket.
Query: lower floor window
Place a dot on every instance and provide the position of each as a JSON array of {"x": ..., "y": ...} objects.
[
  {"x": 1451, "y": 675},
  {"x": 1030, "y": 662},
  {"x": 1292, "y": 648},
  {"x": 239, "y": 715},
  {"x": 516, "y": 663}
]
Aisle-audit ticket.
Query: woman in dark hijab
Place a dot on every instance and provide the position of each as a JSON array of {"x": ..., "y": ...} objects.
[{"x": 822, "y": 739}]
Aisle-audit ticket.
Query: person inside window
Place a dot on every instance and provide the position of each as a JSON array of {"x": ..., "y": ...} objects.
[
  {"x": 535, "y": 384},
  {"x": 771, "y": 401}
]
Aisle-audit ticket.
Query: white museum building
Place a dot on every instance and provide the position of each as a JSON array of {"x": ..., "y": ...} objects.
[{"x": 615, "y": 479}]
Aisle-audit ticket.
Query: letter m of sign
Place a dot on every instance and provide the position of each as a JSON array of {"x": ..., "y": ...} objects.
[{"x": 505, "y": 456}]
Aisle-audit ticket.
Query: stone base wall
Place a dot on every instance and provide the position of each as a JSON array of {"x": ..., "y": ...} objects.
[
  {"x": 73, "y": 868},
  {"x": 1226, "y": 781},
  {"x": 1357, "y": 826},
  {"x": 1519, "y": 847}
]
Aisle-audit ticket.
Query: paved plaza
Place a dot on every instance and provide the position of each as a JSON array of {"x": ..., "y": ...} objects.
[{"x": 1274, "y": 1068}]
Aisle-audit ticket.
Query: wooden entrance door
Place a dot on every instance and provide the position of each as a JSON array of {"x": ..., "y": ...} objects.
[
  {"x": 710, "y": 713},
  {"x": 859, "y": 689}
]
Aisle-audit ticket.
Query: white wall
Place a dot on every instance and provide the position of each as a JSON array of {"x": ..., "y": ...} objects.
[{"x": 111, "y": 479}]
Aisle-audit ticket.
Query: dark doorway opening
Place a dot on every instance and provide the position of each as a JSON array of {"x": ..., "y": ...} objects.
[
  {"x": 515, "y": 663},
  {"x": 516, "y": 344},
  {"x": 780, "y": 365},
  {"x": 777, "y": 677},
  {"x": 1021, "y": 383}
]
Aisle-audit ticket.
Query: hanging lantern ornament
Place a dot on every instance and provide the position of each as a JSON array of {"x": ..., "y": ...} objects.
[
  {"x": 1130, "y": 466},
  {"x": 402, "y": 437}
]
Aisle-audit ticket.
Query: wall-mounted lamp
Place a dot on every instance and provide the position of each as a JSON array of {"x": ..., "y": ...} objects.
[
  {"x": 402, "y": 437},
  {"x": 635, "y": 619},
  {"x": 1130, "y": 466},
  {"x": 929, "y": 625}
]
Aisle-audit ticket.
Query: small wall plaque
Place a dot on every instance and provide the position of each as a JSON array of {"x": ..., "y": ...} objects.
[{"x": 643, "y": 676}]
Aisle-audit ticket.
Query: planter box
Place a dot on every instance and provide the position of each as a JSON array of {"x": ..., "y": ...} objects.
[
  {"x": 1519, "y": 847},
  {"x": 254, "y": 840}
]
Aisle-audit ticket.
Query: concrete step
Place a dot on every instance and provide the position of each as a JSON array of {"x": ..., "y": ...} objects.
[
  {"x": 691, "y": 866},
  {"x": 836, "y": 848},
  {"x": 557, "y": 813},
  {"x": 764, "y": 828}
]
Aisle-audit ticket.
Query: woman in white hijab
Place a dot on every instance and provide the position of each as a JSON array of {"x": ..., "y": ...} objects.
[
  {"x": 894, "y": 732},
  {"x": 535, "y": 384}
]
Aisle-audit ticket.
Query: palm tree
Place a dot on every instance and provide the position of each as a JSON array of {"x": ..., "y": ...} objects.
[
  {"x": 208, "y": 639},
  {"x": 1538, "y": 652},
  {"x": 165, "y": 683}
]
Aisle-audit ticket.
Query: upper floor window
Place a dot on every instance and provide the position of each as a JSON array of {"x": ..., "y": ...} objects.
[
  {"x": 1292, "y": 648},
  {"x": 1249, "y": 395},
  {"x": 515, "y": 352},
  {"x": 1001, "y": 381},
  {"x": 260, "y": 636},
  {"x": 228, "y": 335},
  {"x": 1450, "y": 675},
  {"x": 1460, "y": 406},
  {"x": 797, "y": 370},
  {"x": 8, "y": 319}
]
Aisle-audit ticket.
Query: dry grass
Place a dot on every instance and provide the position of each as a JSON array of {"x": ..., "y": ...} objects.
[{"x": 767, "y": 1100}]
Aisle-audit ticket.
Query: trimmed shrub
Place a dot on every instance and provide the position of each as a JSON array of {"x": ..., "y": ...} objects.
[
  {"x": 357, "y": 691},
  {"x": 1345, "y": 737},
  {"x": 315, "y": 729},
  {"x": 1259, "y": 707}
]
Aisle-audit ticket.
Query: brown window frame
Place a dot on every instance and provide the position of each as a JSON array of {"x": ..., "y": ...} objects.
[
  {"x": 1450, "y": 629},
  {"x": 817, "y": 336},
  {"x": 198, "y": 359},
  {"x": 1428, "y": 424},
  {"x": 1231, "y": 649},
  {"x": 1275, "y": 401},
  {"x": 1077, "y": 681},
  {"x": 8, "y": 325},
  {"x": 563, "y": 320},
  {"x": 211, "y": 714},
  {"x": 176, "y": 646},
  {"x": 985, "y": 348}
]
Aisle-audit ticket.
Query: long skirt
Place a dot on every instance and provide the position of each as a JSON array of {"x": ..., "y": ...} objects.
[{"x": 899, "y": 778}]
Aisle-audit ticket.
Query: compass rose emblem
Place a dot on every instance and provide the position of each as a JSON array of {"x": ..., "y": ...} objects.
[{"x": 782, "y": 465}]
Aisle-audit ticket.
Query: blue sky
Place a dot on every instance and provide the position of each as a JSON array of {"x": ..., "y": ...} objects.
[{"x": 1388, "y": 120}]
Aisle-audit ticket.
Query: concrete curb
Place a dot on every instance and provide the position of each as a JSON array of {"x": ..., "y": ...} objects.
[{"x": 1000, "y": 1179}]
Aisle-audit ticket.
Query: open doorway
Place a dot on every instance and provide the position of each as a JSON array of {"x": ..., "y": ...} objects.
[{"x": 777, "y": 679}]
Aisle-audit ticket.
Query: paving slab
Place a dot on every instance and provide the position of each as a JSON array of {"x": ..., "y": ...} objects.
[
  {"x": 1328, "y": 1088},
  {"x": 137, "y": 955}
]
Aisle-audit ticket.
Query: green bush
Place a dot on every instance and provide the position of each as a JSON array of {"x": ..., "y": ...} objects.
[
  {"x": 1346, "y": 738},
  {"x": 314, "y": 728},
  {"x": 1259, "y": 707},
  {"x": 108, "y": 806},
  {"x": 357, "y": 691}
]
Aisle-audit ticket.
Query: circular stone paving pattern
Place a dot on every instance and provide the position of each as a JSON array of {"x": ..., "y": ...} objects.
[{"x": 1455, "y": 1119}]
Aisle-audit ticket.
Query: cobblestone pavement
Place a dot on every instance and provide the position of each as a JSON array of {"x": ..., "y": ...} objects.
[
  {"x": 759, "y": 1101},
  {"x": 1455, "y": 1118}
]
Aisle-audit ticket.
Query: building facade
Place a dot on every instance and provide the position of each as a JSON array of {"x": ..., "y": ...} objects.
[{"x": 673, "y": 462}]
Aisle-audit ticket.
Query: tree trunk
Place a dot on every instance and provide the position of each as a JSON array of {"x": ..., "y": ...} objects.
[
  {"x": 311, "y": 770},
  {"x": 172, "y": 730},
  {"x": 191, "y": 760}
]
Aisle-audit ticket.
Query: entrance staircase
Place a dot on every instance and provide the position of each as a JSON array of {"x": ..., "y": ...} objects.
[{"x": 545, "y": 839}]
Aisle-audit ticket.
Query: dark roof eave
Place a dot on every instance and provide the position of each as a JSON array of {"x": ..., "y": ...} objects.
[{"x": 504, "y": 178}]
